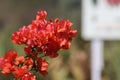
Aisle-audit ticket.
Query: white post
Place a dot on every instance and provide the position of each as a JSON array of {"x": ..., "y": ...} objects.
[{"x": 97, "y": 60}]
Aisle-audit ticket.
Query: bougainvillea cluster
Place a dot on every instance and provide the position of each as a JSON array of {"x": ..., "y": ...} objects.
[{"x": 42, "y": 38}]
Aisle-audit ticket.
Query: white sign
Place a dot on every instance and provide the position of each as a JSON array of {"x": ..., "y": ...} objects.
[{"x": 101, "y": 19}]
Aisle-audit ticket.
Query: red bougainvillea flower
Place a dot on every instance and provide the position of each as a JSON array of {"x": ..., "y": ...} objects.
[
  {"x": 17, "y": 65},
  {"x": 7, "y": 68},
  {"x": 19, "y": 72},
  {"x": 7, "y": 61},
  {"x": 19, "y": 60},
  {"x": 28, "y": 76},
  {"x": 10, "y": 56},
  {"x": 28, "y": 50},
  {"x": 41, "y": 38},
  {"x": 42, "y": 66},
  {"x": 29, "y": 62},
  {"x": 47, "y": 36},
  {"x": 2, "y": 62},
  {"x": 41, "y": 15}
]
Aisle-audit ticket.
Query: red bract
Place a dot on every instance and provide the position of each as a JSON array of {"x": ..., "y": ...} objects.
[
  {"x": 7, "y": 61},
  {"x": 7, "y": 68},
  {"x": 52, "y": 48},
  {"x": 28, "y": 50},
  {"x": 17, "y": 65},
  {"x": 29, "y": 62},
  {"x": 28, "y": 76},
  {"x": 41, "y": 15},
  {"x": 10, "y": 56},
  {"x": 19, "y": 72},
  {"x": 42, "y": 66},
  {"x": 19, "y": 60},
  {"x": 2, "y": 62}
]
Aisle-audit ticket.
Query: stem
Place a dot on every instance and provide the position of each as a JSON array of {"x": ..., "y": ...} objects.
[{"x": 15, "y": 79}]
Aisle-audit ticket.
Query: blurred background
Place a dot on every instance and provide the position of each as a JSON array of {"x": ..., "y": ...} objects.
[{"x": 72, "y": 64}]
